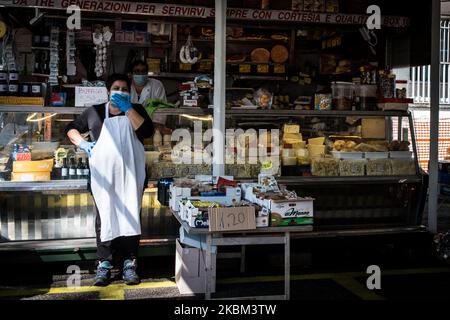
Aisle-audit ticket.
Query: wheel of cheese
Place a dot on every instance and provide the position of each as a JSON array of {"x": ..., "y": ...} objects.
[
  {"x": 260, "y": 55},
  {"x": 279, "y": 54}
]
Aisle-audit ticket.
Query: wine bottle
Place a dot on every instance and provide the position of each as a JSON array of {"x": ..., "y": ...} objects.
[
  {"x": 80, "y": 169},
  {"x": 86, "y": 170},
  {"x": 64, "y": 170},
  {"x": 72, "y": 169}
]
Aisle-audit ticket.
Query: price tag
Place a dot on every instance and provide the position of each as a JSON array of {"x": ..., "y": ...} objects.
[
  {"x": 244, "y": 68},
  {"x": 231, "y": 219},
  {"x": 263, "y": 68},
  {"x": 279, "y": 68},
  {"x": 185, "y": 67}
]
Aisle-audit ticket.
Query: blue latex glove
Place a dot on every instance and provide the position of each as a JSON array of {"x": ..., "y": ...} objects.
[
  {"x": 121, "y": 101},
  {"x": 86, "y": 146}
]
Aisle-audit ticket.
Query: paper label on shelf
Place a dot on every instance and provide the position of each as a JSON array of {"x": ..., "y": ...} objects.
[{"x": 89, "y": 96}]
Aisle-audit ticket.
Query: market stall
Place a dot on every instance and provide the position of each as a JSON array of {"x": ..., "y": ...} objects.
[{"x": 307, "y": 76}]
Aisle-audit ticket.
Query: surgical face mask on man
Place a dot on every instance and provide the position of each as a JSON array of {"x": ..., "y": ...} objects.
[{"x": 140, "y": 79}]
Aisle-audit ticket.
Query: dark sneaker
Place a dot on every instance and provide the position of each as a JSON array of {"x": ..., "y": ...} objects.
[
  {"x": 129, "y": 272},
  {"x": 103, "y": 273}
]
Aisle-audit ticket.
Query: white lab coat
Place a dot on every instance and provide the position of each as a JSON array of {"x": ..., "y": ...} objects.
[{"x": 154, "y": 89}]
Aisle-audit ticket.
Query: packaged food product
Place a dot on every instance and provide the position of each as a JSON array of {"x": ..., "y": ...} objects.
[
  {"x": 354, "y": 168},
  {"x": 332, "y": 6},
  {"x": 403, "y": 167},
  {"x": 317, "y": 141},
  {"x": 322, "y": 101},
  {"x": 299, "y": 145},
  {"x": 289, "y": 161},
  {"x": 263, "y": 99},
  {"x": 303, "y": 157},
  {"x": 291, "y": 128},
  {"x": 292, "y": 138},
  {"x": 325, "y": 167},
  {"x": 316, "y": 150},
  {"x": 289, "y": 153},
  {"x": 379, "y": 167}
]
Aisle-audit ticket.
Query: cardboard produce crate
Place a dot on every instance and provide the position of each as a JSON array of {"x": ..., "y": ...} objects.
[{"x": 190, "y": 269}]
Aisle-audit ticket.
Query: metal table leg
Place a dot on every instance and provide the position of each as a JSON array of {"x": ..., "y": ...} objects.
[
  {"x": 242, "y": 258},
  {"x": 208, "y": 264},
  {"x": 287, "y": 265}
]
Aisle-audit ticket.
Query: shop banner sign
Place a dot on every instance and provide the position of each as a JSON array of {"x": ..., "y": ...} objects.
[
  {"x": 90, "y": 96},
  {"x": 174, "y": 10}
]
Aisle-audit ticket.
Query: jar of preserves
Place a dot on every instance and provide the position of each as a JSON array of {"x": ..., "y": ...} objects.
[
  {"x": 25, "y": 89},
  {"x": 36, "y": 89},
  {"x": 3, "y": 83},
  {"x": 13, "y": 86}
]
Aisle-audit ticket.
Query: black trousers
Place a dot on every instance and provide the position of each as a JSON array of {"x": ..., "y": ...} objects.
[{"x": 118, "y": 249}]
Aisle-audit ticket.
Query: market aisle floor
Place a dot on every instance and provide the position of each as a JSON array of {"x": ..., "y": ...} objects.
[{"x": 326, "y": 272}]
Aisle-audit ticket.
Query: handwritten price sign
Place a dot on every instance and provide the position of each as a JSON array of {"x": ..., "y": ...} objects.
[{"x": 231, "y": 219}]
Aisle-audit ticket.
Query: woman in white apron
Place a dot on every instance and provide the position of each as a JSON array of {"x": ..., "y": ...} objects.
[{"x": 118, "y": 175}]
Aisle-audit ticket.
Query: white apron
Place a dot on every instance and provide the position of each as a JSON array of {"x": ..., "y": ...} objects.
[{"x": 117, "y": 168}]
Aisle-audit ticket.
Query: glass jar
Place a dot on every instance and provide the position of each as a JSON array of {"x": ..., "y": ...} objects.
[
  {"x": 3, "y": 83},
  {"x": 13, "y": 86},
  {"x": 36, "y": 89},
  {"x": 25, "y": 89}
]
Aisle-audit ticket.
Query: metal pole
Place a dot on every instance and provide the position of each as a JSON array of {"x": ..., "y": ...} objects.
[
  {"x": 219, "y": 88},
  {"x": 434, "y": 116}
]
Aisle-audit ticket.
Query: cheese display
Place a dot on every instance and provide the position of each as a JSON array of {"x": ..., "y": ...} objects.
[
  {"x": 291, "y": 128},
  {"x": 378, "y": 167},
  {"x": 279, "y": 54},
  {"x": 403, "y": 167},
  {"x": 325, "y": 167},
  {"x": 316, "y": 151},
  {"x": 316, "y": 141},
  {"x": 292, "y": 138},
  {"x": 352, "y": 167}
]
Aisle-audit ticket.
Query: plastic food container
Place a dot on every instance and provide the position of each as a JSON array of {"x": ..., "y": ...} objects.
[
  {"x": 379, "y": 167},
  {"x": 343, "y": 95},
  {"x": 352, "y": 168},
  {"x": 367, "y": 96},
  {"x": 325, "y": 167},
  {"x": 400, "y": 154},
  {"x": 376, "y": 155},
  {"x": 403, "y": 167},
  {"x": 347, "y": 155}
]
